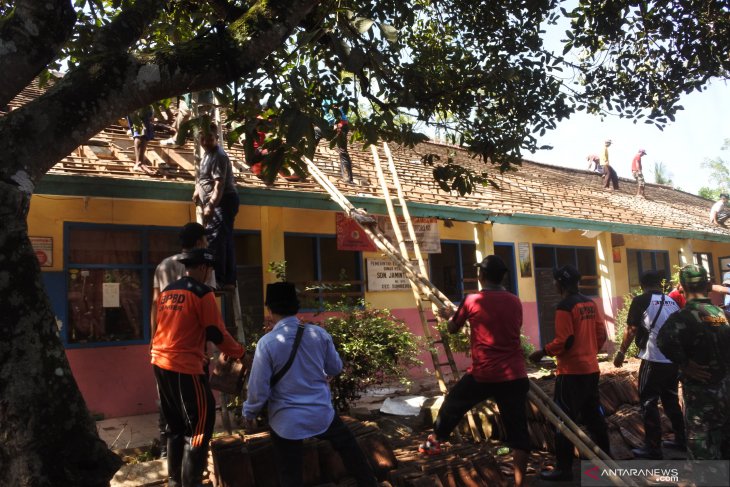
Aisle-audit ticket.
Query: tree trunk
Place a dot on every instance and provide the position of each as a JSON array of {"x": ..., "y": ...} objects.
[{"x": 48, "y": 437}]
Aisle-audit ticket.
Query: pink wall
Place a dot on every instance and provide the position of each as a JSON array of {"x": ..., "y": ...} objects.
[{"x": 115, "y": 381}]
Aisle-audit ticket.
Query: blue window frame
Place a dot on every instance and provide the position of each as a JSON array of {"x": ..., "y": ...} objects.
[
  {"x": 582, "y": 258},
  {"x": 321, "y": 272},
  {"x": 506, "y": 251},
  {"x": 109, "y": 272},
  {"x": 452, "y": 271},
  {"x": 108, "y": 281},
  {"x": 640, "y": 261}
]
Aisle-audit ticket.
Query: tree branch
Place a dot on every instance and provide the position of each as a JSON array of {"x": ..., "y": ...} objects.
[
  {"x": 112, "y": 84},
  {"x": 128, "y": 26},
  {"x": 226, "y": 10},
  {"x": 30, "y": 38}
]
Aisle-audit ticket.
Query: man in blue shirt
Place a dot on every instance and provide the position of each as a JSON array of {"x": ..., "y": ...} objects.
[{"x": 298, "y": 396}]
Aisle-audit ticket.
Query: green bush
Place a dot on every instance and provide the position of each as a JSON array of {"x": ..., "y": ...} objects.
[
  {"x": 375, "y": 347},
  {"x": 621, "y": 316}
]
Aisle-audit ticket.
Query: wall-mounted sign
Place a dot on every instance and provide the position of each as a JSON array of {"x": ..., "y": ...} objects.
[
  {"x": 351, "y": 236},
  {"x": 525, "y": 261},
  {"x": 43, "y": 247},
  {"x": 385, "y": 275},
  {"x": 427, "y": 233}
]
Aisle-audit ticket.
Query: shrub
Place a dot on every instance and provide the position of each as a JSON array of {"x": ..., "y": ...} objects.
[
  {"x": 375, "y": 347},
  {"x": 621, "y": 316}
]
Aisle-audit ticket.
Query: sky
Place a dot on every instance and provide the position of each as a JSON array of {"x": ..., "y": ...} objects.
[{"x": 698, "y": 133}]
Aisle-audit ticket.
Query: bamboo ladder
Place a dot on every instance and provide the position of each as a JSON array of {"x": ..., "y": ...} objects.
[
  {"x": 418, "y": 279},
  {"x": 419, "y": 297}
]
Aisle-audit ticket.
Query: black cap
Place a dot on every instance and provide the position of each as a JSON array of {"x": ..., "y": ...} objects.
[
  {"x": 567, "y": 275},
  {"x": 724, "y": 195},
  {"x": 197, "y": 257},
  {"x": 492, "y": 263},
  {"x": 190, "y": 234},
  {"x": 280, "y": 293}
]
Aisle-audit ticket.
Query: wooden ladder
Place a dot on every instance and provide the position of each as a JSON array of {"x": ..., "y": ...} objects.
[{"x": 420, "y": 299}]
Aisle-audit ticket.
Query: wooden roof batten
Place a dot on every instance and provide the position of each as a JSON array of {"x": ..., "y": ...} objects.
[{"x": 536, "y": 194}]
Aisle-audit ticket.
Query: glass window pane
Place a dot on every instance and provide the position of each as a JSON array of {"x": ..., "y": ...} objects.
[
  {"x": 162, "y": 244},
  {"x": 248, "y": 249},
  {"x": 587, "y": 262},
  {"x": 469, "y": 272},
  {"x": 300, "y": 259},
  {"x": 92, "y": 318},
  {"x": 339, "y": 266},
  {"x": 566, "y": 256},
  {"x": 444, "y": 270},
  {"x": 544, "y": 257},
  {"x": 647, "y": 261},
  {"x": 662, "y": 264},
  {"x": 632, "y": 258},
  {"x": 506, "y": 253},
  {"x": 104, "y": 246}
]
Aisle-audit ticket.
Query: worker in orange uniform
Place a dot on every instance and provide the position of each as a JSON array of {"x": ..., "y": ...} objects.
[
  {"x": 580, "y": 332},
  {"x": 187, "y": 318}
]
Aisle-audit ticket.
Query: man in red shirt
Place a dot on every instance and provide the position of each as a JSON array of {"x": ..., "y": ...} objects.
[
  {"x": 579, "y": 334},
  {"x": 498, "y": 365},
  {"x": 187, "y": 317},
  {"x": 636, "y": 170}
]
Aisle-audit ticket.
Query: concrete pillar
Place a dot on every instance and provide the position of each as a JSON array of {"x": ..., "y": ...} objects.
[
  {"x": 685, "y": 253},
  {"x": 484, "y": 240},
  {"x": 607, "y": 281},
  {"x": 272, "y": 239}
]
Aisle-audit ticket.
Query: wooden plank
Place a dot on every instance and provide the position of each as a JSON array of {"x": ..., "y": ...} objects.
[{"x": 180, "y": 160}]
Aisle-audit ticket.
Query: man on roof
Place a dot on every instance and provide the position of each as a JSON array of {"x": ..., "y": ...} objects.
[
  {"x": 719, "y": 212},
  {"x": 609, "y": 174},
  {"x": 636, "y": 170}
]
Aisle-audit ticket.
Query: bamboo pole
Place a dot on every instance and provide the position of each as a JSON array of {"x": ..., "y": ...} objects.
[{"x": 539, "y": 399}]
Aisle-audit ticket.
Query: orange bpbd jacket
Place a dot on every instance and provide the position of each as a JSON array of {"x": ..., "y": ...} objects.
[
  {"x": 188, "y": 317},
  {"x": 580, "y": 332}
]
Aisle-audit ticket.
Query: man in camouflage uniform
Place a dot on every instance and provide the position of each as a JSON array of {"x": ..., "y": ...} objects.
[{"x": 697, "y": 338}]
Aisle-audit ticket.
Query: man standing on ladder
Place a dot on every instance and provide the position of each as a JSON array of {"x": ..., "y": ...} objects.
[
  {"x": 215, "y": 190},
  {"x": 498, "y": 365},
  {"x": 579, "y": 334}
]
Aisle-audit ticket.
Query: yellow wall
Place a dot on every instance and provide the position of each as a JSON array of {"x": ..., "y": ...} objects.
[{"x": 48, "y": 213}]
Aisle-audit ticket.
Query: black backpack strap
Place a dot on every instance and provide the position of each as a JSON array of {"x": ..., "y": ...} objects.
[
  {"x": 661, "y": 305},
  {"x": 297, "y": 340}
]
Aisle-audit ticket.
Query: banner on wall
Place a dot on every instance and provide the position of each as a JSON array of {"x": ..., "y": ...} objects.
[
  {"x": 43, "y": 247},
  {"x": 351, "y": 236},
  {"x": 427, "y": 233}
]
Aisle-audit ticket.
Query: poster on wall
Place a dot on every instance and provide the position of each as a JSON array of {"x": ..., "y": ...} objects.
[
  {"x": 525, "y": 262},
  {"x": 617, "y": 255},
  {"x": 386, "y": 275},
  {"x": 351, "y": 236},
  {"x": 427, "y": 233},
  {"x": 43, "y": 247}
]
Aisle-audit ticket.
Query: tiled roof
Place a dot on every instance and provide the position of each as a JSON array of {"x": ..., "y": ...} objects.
[{"x": 534, "y": 190}]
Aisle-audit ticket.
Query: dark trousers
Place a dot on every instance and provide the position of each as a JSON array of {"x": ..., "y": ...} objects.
[
  {"x": 659, "y": 381},
  {"x": 723, "y": 215},
  {"x": 341, "y": 142},
  {"x": 219, "y": 231},
  {"x": 189, "y": 408},
  {"x": 577, "y": 395},
  {"x": 510, "y": 396},
  {"x": 609, "y": 177},
  {"x": 289, "y": 455}
]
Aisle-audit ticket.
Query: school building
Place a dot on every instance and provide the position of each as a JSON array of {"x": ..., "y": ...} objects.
[{"x": 99, "y": 231}]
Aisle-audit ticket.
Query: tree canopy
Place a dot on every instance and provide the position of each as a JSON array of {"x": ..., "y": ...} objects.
[{"x": 480, "y": 70}]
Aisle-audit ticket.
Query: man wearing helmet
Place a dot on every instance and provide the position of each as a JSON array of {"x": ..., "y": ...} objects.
[{"x": 697, "y": 338}]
